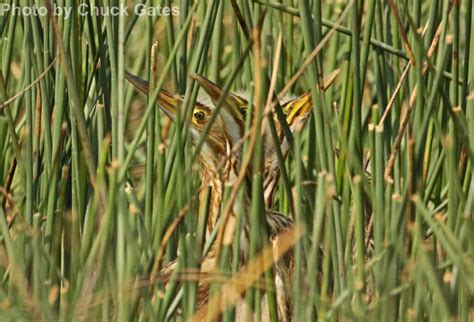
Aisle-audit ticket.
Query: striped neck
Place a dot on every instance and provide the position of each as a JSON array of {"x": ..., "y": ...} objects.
[{"x": 217, "y": 173}]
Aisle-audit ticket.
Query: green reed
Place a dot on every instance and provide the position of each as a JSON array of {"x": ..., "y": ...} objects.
[{"x": 99, "y": 189}]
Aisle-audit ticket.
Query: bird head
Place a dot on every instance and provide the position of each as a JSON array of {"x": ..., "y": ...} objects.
[
  {"x": 234, "y": 108},
  {"x": 216, "y": 143}
]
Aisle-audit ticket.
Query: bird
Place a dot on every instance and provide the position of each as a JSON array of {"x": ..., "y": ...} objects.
[
  {"x": 217, "y": 147},
  {"x": 229, "y": 131}
]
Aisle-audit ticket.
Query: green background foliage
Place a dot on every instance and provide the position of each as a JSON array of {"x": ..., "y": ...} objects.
[{"x": 93, "y": 175}]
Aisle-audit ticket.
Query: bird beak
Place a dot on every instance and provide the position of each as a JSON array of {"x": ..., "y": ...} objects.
[
  {"x": 168, "y": 102},
  {"x": 298, "y": 109}
]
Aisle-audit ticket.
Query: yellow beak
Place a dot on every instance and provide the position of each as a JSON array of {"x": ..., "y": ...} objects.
[{"x": 297, "y": 108}]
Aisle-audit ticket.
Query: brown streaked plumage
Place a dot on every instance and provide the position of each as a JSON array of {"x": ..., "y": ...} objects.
[{"x": 218, "y": 147}]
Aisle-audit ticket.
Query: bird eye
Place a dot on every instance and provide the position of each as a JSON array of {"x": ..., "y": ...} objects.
[
  {"x": 243, "y": 111},
  {"x": 199, "y": 115}
]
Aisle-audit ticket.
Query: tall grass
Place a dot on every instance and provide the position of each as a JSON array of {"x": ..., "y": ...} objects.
[{"x": 99, "y": 189}]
